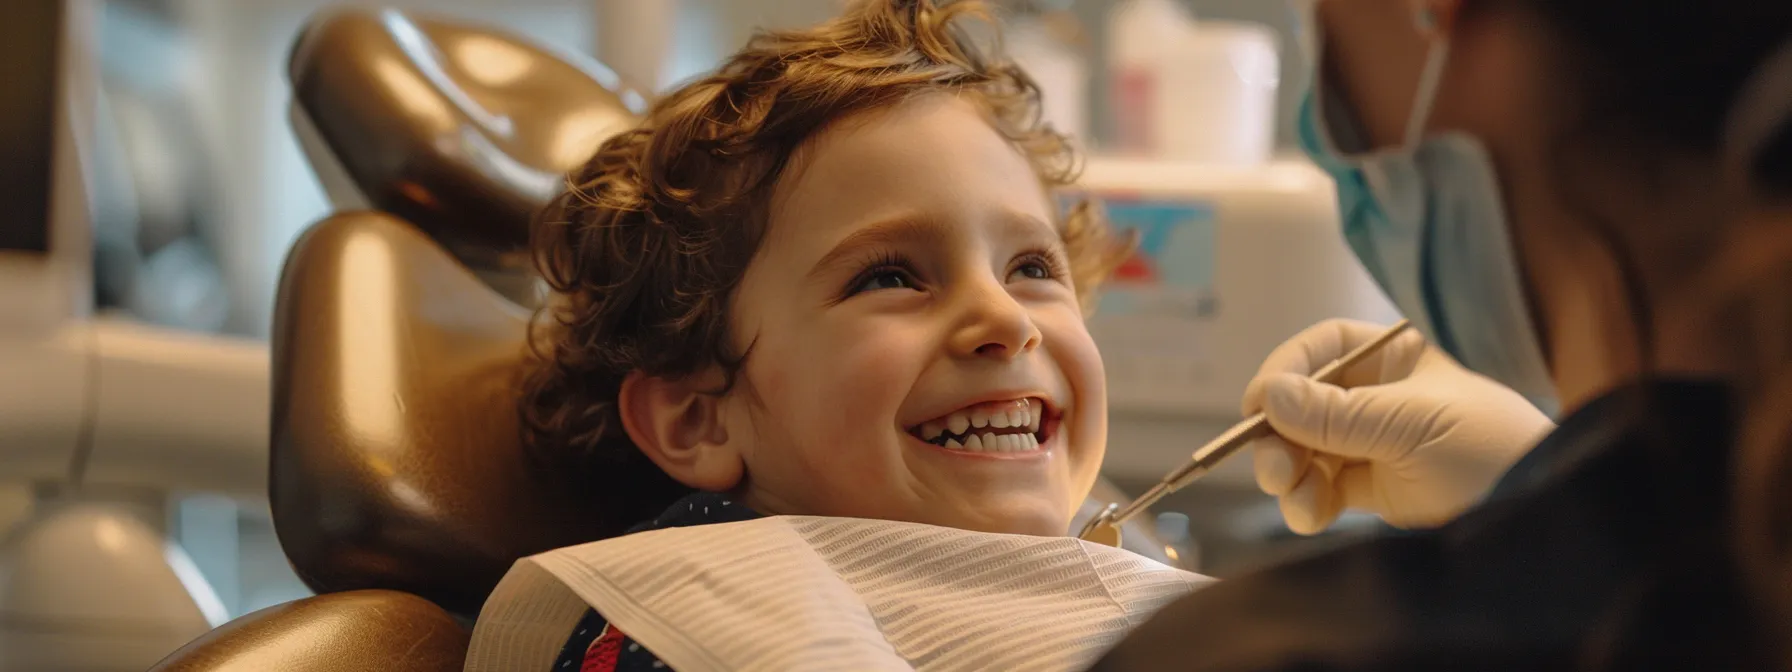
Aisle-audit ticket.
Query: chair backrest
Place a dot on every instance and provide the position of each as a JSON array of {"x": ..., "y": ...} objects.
[
  {"x": 396, "y": 461},
  {"x": 395, "y": 455},
  {"x": 462, "y": 131},
  {"x": 383, "y": 630}
]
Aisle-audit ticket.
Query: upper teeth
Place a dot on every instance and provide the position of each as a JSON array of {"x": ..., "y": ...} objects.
[{"x": 1019, "y": 413}]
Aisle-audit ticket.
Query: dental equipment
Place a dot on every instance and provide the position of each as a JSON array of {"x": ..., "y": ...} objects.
[{"x": 1104, "y": 528}]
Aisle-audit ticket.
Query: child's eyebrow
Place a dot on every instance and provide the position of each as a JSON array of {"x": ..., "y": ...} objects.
[{"x": 920, "y": 229}]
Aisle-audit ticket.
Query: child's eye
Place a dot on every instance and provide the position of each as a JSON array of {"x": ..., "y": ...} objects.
[
  {"x": 1036, "y": 266},
  {"x": 884, "y": 278},
  {"x": 1034, "y": 271}
]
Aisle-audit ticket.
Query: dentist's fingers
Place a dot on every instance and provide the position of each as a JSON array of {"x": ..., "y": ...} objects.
[
  {"x": 1355, "y": 486},
  {"x": 1327, "y": 341},
  {"x": 1328, "y": 465},
  {"x": 1312, "y": 505},
  {"x": 1343, "y": 423},
  {"x": 1278, "y": 464},
  {"x": 1252, "y": 401}
]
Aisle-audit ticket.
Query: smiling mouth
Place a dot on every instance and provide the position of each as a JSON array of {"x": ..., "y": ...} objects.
[{"x": 1012, "y": 426}]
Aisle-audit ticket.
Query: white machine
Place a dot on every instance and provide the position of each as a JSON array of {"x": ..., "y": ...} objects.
[{"x": 102, "y": 419}]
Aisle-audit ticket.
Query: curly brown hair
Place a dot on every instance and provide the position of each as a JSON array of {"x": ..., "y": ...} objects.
[{"x": 647, "y": 245}]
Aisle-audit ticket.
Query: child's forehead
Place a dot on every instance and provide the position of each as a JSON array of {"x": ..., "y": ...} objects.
[{"x": 934, "y": 154}]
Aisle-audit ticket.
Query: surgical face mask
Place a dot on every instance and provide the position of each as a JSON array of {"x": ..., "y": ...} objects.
[{"x": 1428, "y": 222}]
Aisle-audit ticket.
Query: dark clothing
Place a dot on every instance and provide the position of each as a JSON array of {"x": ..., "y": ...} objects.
[
  {"x": 1609, "y": 547},
  {"x": 595, "y": 646}
]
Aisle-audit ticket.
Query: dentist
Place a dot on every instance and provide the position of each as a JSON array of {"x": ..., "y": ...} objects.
[{"x": 1586, "y": 207}]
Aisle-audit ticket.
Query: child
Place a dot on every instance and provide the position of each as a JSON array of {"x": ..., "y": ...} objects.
[{"x": 828, "y": 280}]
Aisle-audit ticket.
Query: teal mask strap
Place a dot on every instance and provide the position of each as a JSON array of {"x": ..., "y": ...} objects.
[{"x": 1430, "y": 77}]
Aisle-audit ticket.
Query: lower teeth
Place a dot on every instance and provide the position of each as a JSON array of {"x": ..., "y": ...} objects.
[{"x": 995, "y": 443}]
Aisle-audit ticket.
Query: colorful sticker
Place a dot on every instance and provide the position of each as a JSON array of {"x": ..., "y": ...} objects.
[
  {"x": 1157, "y": 313},
  {"x": 1172, "y": 271}
]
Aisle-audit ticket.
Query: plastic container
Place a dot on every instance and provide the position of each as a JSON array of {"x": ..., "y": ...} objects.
[
  {"x": 1217, "y": 102},
  {"x": 1058, "y": 68},
  {"x": 1142, "y": 37}
]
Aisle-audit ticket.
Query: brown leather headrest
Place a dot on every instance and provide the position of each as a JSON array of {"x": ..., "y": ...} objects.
[
  {"x": 464, "y": 131},
  {"x": 396, "y": 460}
]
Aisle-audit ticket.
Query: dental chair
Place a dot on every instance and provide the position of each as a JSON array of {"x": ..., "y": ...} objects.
[{"x": 398, "y": 486}]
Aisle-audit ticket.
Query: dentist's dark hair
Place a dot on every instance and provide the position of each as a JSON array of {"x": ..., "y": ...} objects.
[
  {"x": 645, "y": 249},
  {"x": 1651, "y": 84}
]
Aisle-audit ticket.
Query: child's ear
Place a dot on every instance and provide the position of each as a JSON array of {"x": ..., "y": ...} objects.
[{"x": 678, "y": 424}]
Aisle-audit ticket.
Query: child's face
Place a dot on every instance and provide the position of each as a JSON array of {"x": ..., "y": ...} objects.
[{"x": 911, "y": 285}]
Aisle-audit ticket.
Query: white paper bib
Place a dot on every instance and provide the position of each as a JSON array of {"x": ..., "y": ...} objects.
[{"x": 795, "y": 593}]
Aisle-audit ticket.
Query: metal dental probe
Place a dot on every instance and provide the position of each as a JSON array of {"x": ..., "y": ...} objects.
[{"x": 1104, "y": 528}]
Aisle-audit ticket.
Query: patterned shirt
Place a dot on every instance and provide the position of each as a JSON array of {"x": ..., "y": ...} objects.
[{"x": 598, "y": 646}]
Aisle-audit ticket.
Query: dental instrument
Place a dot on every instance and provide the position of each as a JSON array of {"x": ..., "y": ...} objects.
[{"x": 1104, "y": 528}]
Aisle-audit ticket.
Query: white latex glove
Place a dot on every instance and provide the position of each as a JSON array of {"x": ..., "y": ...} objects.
[{"x": 1407, "y": 433}]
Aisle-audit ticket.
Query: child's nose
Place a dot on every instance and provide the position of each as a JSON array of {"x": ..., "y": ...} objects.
[{"x": 996, "y": 326}]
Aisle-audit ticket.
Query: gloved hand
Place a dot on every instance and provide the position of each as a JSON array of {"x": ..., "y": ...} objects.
[{"x": 1407, "y": 433}]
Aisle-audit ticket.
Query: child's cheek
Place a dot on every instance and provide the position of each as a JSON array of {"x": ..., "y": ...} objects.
[{"x": 863, "y": 386}]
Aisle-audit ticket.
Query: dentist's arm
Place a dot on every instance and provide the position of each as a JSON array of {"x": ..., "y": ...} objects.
[{"x": 1407, "y": 434}]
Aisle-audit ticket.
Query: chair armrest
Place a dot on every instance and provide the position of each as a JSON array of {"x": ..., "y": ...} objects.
[{"x": 357, "y": 630}]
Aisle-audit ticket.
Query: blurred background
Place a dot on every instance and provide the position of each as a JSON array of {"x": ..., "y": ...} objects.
[
  {"x": 194, "y": 130},
  {"x": 197, "y": 188}
]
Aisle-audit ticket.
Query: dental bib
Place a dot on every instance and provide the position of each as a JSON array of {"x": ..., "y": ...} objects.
[{"x": 813, "y": 593}]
